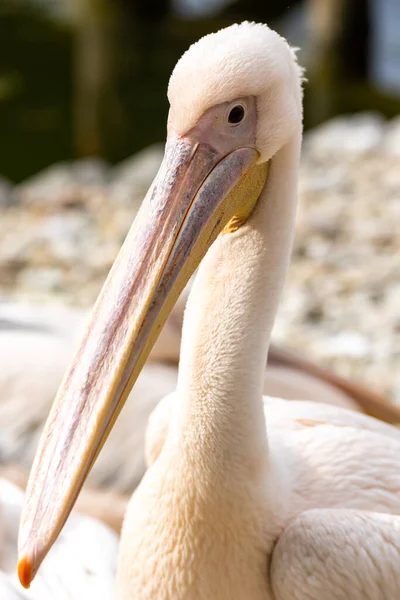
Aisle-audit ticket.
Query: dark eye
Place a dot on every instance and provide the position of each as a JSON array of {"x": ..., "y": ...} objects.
[{"x": 236, "y": 115}]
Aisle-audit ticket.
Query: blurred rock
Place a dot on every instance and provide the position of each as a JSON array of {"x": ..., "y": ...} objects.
[
  {"x": 391, "y": 142},
  {"x": 131, "y": 179},
  {"x": 63, "y": 184},
  {"x": 65, "y": 234},
  {"x": 53, "y": 186},
  {"x": 43, "y": 279},
  {"x": 92, "y": 172},
  {"x": 5, "y": 192},
  {"x": 353, "y": 135}
]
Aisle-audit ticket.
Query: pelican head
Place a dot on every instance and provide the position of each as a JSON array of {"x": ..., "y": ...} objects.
[
  {"x": 249, "y": 65},
  {"x": 235, "y": 101}
]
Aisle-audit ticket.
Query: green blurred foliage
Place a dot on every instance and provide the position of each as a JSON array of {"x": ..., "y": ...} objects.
[
  {"x": 95, "y": 83},
  {"x": 42, "y": 91},
  {"x": 35, "y": 90}
]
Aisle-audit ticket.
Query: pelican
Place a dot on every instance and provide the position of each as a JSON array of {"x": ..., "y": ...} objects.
[{"x": 247, "y": 497}]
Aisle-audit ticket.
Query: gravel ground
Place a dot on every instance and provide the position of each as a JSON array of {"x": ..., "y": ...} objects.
[{"x": 61, "y": 230}]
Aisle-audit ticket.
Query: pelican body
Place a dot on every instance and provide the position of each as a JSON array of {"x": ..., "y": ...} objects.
[{"x": 247, "y": 498}]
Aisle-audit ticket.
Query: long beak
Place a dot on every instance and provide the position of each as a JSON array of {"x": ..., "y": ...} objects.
[{"x": 195, "y": 194}]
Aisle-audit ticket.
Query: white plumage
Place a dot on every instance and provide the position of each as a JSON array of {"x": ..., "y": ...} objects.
[{"x": 81, "y": 565}]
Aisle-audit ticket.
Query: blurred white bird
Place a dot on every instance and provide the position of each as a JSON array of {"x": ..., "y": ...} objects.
[{"x": 82, "y": 563}]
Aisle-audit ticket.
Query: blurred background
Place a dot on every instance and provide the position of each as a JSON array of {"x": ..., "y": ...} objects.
[
  {"x": 83, "y": 110},
  {"x": 88, "y": 77}
]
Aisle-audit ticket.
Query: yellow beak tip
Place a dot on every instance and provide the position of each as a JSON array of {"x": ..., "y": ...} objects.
[{"x": 25, "y": 572}]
